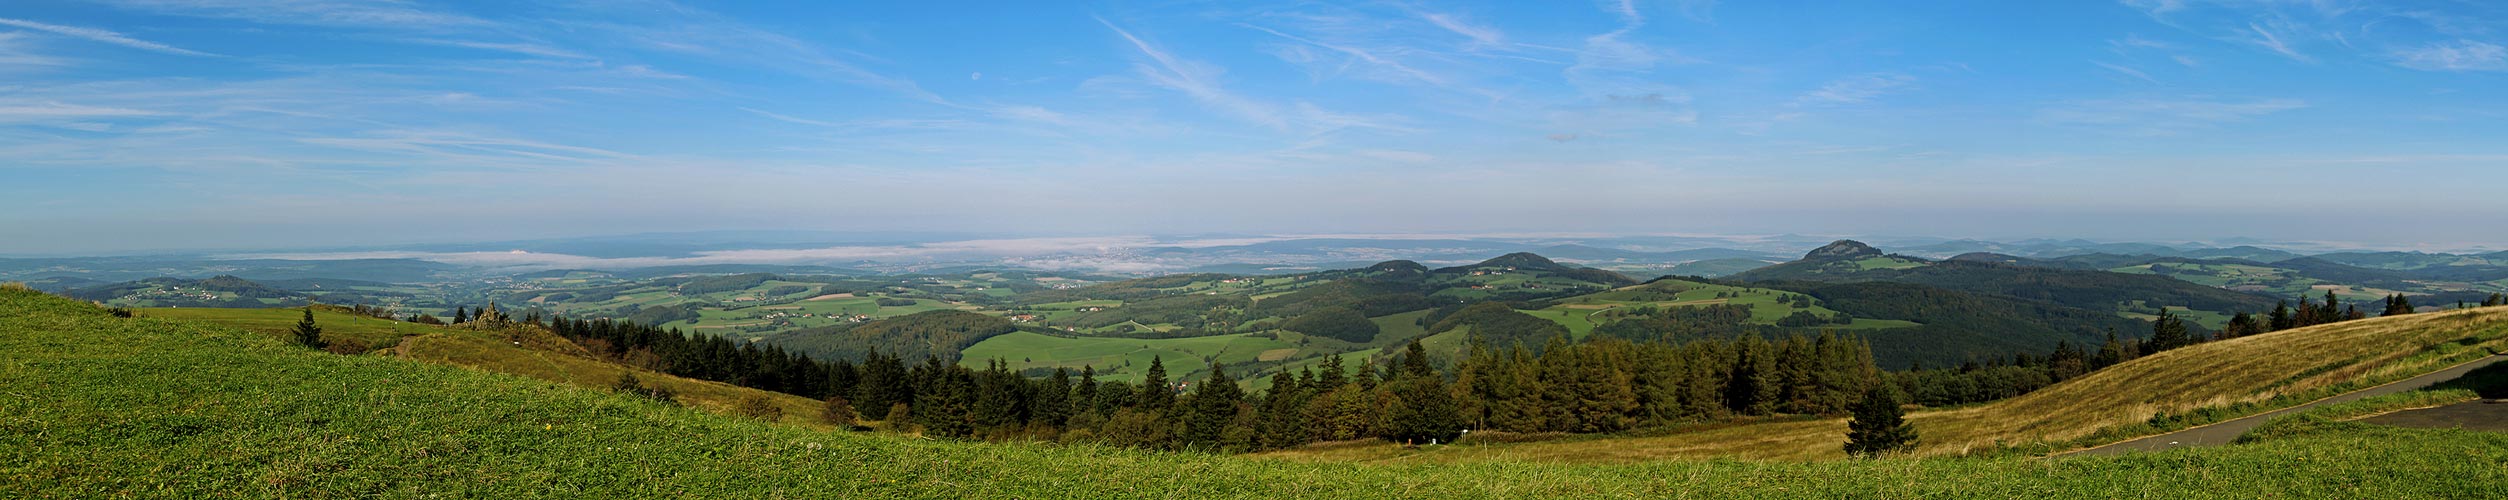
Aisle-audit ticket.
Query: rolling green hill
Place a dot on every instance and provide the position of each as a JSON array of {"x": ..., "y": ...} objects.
[
  {"x": 103, "y": 406},
  {"x": 2124, "y": 294}
]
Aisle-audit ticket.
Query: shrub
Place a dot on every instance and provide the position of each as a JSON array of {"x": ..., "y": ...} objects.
[
  {"x": 838, "y": 412},
  {"x": 761, "y": 408},
  {"x": 346, "y": 346}
]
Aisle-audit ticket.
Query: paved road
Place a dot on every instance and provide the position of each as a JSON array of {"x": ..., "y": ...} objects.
[
  {"x": 2225, "y": 432},
  {"x": 2487, "y": 415}
]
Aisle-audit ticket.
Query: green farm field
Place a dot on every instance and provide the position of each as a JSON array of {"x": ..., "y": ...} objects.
[{"x": 1126, "y": 359}]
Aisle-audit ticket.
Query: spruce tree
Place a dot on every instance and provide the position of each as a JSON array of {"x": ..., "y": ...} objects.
[
  {"x": 1423, "y": 412},
  {"x": 1415, "y": 361},
  {"x": 306, "y": 332},
  {"x": 460, "y": 315},
  {"x": 2280, "y": 318},
  {"x": 1084, "y": 393},
  {"x": 1156, "y": 395},
  {"x": 1880, "y": 427},
  {"x": 1331, "y": 377},
  {"x": 2397, "y": 305},
  {"x": 1053, "y": 400},
  {"x": 1745, "y": 391},
  {"x": 2241, "y": 325},
  {"x": 1211, "y": 407},
  {"x": 2110, "y": 352},
  {"x": 2168, "y": 332}
]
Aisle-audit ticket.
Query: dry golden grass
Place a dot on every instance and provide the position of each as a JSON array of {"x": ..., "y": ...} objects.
[{"x": 2243, "y": 370}]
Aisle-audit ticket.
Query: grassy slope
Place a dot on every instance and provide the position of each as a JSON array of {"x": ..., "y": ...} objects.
[
  {"x": 2301, "y": 364},
  {"x": 335, "y": 325},
  {"x": 543, "y": 357},
  {"x": 98, "y": 406}
]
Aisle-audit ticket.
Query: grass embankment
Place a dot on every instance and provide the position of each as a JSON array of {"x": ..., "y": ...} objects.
[
  {"x": 2195, "y": 385},
  {"x": 96, "y": 406},
  {"x": 534, "y": 354}
]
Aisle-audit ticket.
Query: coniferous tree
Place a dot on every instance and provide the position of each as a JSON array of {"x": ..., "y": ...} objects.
[
  {"x": 1423, "y": 411},
  {"x": 1084, "y": 392},
  {"x": 1415, "y": 361},
  {"x": 1156, "y": 396},
  {"x": 1745, "y": 392},
  {"x": 2397, "y": 305},
  {"x": 1052, "y": 405},
  {"x": 1331, "y": 376},
  {"x": 307, "y": 333},
  {"x": 947, "y": 408},
  {"x": 2168, "y": 332},
  {"x": 1211, "y": 408},
  {"x": 1880, "y": 427},
  {"x": 2241, "y": 325},
  {"x": 883, "y": 386},
  {"x": 460, "y": 315},
  {"x": 2280, "y": 319}
]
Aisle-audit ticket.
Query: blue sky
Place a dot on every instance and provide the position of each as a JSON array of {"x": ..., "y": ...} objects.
[{"x": 146, "y": 124}]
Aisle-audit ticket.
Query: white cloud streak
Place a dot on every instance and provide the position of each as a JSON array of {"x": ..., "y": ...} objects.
[{"x": 102, "y": 36}]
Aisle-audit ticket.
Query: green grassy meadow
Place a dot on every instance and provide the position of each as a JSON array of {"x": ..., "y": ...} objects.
[
  {"x": 1125, "y": 359},
  {"x": 98, "y": 406}
]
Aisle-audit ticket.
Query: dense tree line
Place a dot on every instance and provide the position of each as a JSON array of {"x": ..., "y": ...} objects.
[
  {"x": 1602, "y": 386},
  {"x": 703, "y": 357}
]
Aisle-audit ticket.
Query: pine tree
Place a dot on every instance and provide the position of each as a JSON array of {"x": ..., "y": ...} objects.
[
  {"x": 1423, "y": 412},
  {"x": 460, "y": 315},
  {"x": 1084, "y": 392},
  {"x": 2168, "y": 332},
  {"x": 2280, "y": 318},
  {"x": 2397, "y": 305},
  {"x": 1880, "y": 427},
  {"x": 1745, "y": 391},
  {"x": 1415, "y": 361},
  {"x": 2110, "y": 353},
  {"x": 883, "y": 386},
  {"x": 1053, "y": 400},
  {"x": 307, "y": 333},
  {"x": 2241, "y": 325},
  {"x": 1331, "y": 377},
  {"x": 1156, "y": 395},
  {"x": 1211, "y": 408}
]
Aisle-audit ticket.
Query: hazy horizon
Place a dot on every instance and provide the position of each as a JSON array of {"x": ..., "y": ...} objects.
[{"x": 147, "y": 125}]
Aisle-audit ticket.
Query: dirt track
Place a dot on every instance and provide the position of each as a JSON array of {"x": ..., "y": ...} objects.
[{"x": 2225, "y": 432}]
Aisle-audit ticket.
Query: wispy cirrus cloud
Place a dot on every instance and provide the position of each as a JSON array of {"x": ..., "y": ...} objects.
[
  {"x": 2150, "y": 116},
  {"x": 1195, "y": 79},
  {"x": 2461, "y": 55},
  {"x": 1858, "y": 89},
  {"x": 2127, "y": 71},
  {"x": 364, "y": 14},
  {"x": 102, "y": 36}
]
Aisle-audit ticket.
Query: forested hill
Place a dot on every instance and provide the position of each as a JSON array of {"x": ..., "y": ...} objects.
[
  {"x": 933, "y": 334},
  {"x": 2084, "y": 289}
]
